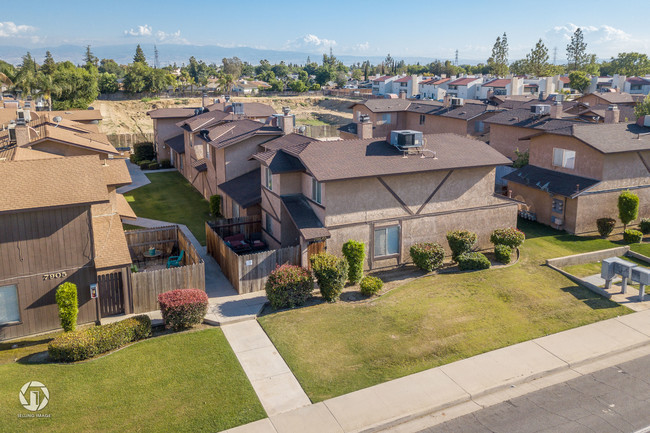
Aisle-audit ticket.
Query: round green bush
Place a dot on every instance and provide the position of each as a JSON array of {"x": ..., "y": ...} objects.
[
  {"x": 632, "y": 236},
  {"x": 165, "y": 163},
  {"x": 66, "y": 299},
  {"x": 510, "y": 237},
  {"x": 330, "y": 272},
  {"x": 289, "y": 286},
  {"x": 461, "y": 242},
  {"x": 473, "y": 261},
  {"x": 645, "y": 226},
  {"x": 503, "y": 253},
  {"x": 370, "y": 285},
  {"x": 427, "y": 255},
  {"x": 355, "y": 253},
  {"x": 605, "y": 226}
]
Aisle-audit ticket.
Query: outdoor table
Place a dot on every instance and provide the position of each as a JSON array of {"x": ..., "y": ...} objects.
[{"x": 156, "y": 255}]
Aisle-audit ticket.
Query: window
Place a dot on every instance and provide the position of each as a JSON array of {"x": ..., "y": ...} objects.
[
  {"x": 359, "y": 116},
  {"x": 479, "y": 126},
  {"x": 386, "y": 241},
  {"x": 207, "y": 151},
  {"x": 635, "y": 87},
  {"x": 385, "y": 118},
  {"x": 235, "y": 210},
  {"x": 316, "y": 190},
  {"x": 564, "y": 158},
  {"x": 269, "y": 224},
  {"x": 558, "y": 205},
  {"x": 422, "y": 119},
  {"x": 268, "y": 178},
  {"x": 403, "y": 84},
  {"x": 9, "y": 309}
]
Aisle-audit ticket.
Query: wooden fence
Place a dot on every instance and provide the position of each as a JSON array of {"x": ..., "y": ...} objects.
[
  {"x": 248, "y": 273},
  {"x": 146, "y": 286},
  {"x": 129, "y": 140},
  {"x": 231, "y": 226}
]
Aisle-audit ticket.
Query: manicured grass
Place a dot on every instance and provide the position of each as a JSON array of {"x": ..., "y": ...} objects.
[
  {"x": 337, "y": 348},
  {"x": 170, "y": 197},
  {"x": 313, "y": 122},
  {"x": 181, "y": 382},
  {"x": 25, "y": 347},
  {"x": 583, "y": 270}
]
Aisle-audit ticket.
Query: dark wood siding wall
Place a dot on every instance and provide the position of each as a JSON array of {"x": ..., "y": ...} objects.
[{"x": 40, "y": 250}]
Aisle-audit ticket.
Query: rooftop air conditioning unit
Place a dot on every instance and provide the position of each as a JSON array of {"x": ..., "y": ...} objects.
[
  {"x": 12, "y": 133},
  {"x": 406, "y": 139},
  {"x": 23, "y": 117},
  {"x": 540, "y": 109},
  {"x": 364, "y": 118},
  {"x": 456, "y": 102},
  {"x": 238, "y": 108}
]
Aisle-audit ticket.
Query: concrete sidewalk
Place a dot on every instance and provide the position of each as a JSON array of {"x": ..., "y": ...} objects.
[{"x": 470, "y": 383}]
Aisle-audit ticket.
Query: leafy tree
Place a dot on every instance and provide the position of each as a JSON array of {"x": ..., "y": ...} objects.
[
  {"x": 77, "y": 87},
  {"x": 537, "y": 60},
  {"x": 642, "y": 108},
  {"x": 139, "y": 56},
  {"x": 263, "y": 67},
  {"x": 357, "y": 74},
  {"x": 323, "y": 75},
  {"x": 135, "y": 79},
  {"x": 630, "y": 64},
  {"x": 49, "y": 65},
  {"x": 592, "y": 67},
  {"x": 628, "y": 208},
  {"x": 110, "y": 66},
  {"x": 280, "y": 70},
  {"x": 107, "y": 83},
  {"x": 158, "y": 80},
  {"x": 297, "y": 86},
  {"x": 66, "y": 299},
  {"x": 47, "y": 86},
  {"x": 226, "y": 82},
  {"x": 232, "y": 66},
  {"x": 7, "y": 73},
  {"x": 498, "y": 61},
  {"x": 576, "y": 51},
  {"x": 341, "y": 79},
  {"x": 89, "y": 57},
  {"x": 522, "y": 158},
  {"x": 519, "y": 67},
  {"x": 579, "y": 80}
]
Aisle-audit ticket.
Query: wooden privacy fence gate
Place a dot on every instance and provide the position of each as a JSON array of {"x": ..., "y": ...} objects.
[
  {"x": 248, "y": 273},
  {"x": 146, "y": 286},
  {"x": 111, "y": 295}
]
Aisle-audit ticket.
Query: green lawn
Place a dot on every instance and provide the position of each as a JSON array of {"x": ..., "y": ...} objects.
[
  {"x": 170, "y": 197},
  {"x": 181, "y": 382},
  {"x": 337, "y": 348}
]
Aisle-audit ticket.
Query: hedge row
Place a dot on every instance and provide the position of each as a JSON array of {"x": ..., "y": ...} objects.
[{"x": 86, "y": 343}]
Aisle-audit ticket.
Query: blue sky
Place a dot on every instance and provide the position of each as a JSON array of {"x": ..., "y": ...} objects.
[{"x": 431, "y": 29}]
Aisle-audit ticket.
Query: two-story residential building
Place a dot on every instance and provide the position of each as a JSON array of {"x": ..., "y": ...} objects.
[
  {"x": 434, "y": 88},
  {"x": 408, "y": 86},
  {"x": 383, "y": 85},
  {"x": 637, "y": 85},
  {"x": 576, "y": 174},
  {"x": 385, "y": 195},
  {"x": 500, "y": 87},
  {"x": 606, "y": 98},
  {"x": 465, "y": 87}
]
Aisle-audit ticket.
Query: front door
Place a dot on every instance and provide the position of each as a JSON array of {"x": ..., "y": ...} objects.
[
  {"x": 315, "y": 247},
  {"x": 111, "y": 301}
]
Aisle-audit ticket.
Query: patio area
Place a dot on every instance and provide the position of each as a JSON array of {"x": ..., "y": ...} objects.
[{"x": 160, "y": 248}]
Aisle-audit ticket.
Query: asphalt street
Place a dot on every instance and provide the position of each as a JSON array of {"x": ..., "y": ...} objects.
[{"x": 616, "y": 399}]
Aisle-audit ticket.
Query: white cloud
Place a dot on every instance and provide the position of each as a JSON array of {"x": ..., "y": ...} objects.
[
  {"x": 171, "y": 37},
  {"x": 11, "y": 29},
  {"x": 310, "y": 43},
  {"x": 603, "y": 40},
  {"x": 144, "y": 30}
]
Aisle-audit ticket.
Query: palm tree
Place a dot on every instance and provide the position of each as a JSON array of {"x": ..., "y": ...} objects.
[
  {"x": 25, "y": 81},
  {"x": 225, "y": 82},
  {"x": 46, "y": 87}
]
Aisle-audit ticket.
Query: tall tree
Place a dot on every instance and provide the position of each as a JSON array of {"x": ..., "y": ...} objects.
[
  {"x": 630, "y": 64},
  {"x": 498, "y": 61},
  {"x": 579, "y": 80},
  {"x": 232, "y": 66},
  {"x": 47, "y": 86},
  {"x": 49, "y": 65},
  {"x": 89, "y": 57},
  {"x": 537, "y": 60},
  {"x": 139, "y": 56},
  {"x": 576, "y": 51}
]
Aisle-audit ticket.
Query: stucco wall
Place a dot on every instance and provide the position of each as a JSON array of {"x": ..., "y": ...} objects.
[
  {"x": 588, "y": 162},
  {"x": 434, "y": 124},
  {"x": 164, "y": 129},
  {"x": 601, "y": 205},
  {"x": 66, "y": 149},
  {"x": 505, "y": 139}
]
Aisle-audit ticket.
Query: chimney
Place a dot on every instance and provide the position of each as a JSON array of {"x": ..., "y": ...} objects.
[
  {"x": 204, "y": 98},
  {"x": 542, "y": 96},
  {"x": 364, "y": 127},
  {"x": 556, "y": 110},
  {"x": 287, "y": 122},
  {"x": 612, "y": 114},
  {"x": 402, "y": 94},
  {"x": 22, "y": 134},
  {"x": 415, "y": 89}
]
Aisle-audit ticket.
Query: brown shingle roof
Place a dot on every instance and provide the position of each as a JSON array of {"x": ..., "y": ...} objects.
[
  {"x": 124, "y": 208},
  {"x": 111, "y": 249},
  {"x": 203, "y": 121},
  {"x": 245, "y": 189},
  {"x": 288, "y": 140},
  {"x": 239, "y": 130},
  {"x": 77, "y": 115},
  {"x": 348, "y": 159},
  {"x": 384, "y": 78},
  {"x": 386, "y": 105},
  {"x": 612, "y": 97},
  {"x": 54, "y": 182},
  {"x": 435, "y": 81},
  {"x": 463, "y": 81},
  {"x": 171, "y": 113},
  {"x": 91, "y": 141},
  {"x": 115, "y": 172},
  {"x": 613, "y": 138},
  {"x": 497, "y": 83},
  {"x": 304, "y": 218}
]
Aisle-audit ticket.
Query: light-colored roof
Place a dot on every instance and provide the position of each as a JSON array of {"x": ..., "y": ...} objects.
[
  {"x": 463, "y": 81},
  {"x": 384, "y": 78},
  {"x": 171, "y": 113},
  {"x": 77, "y": 115},
  {"x": 43, "y": 183},
  {"x": 111, "y": 249},
  {"x": 115, "y": 172},
  {"x": 124, "y": 208},
  {"x": 613, "y": 137},
  {"x": 92, "y": 141},
  {"x": 497, "y": 83}
]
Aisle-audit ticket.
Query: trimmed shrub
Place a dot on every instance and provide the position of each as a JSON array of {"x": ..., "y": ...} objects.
[
  {"x": 510, "y": 237},
  {"x": 473, "y": 261},
  {"x": 183, "y": 308},
  {"x": 215, "y": 206},
  {"x": 289, "y": 286},
  {"x": 354, "y": 253},
  {"x": 427, "y": 255},
  {"x": 632, "y": 236},
  {"x": 605, "y": 226},
  {"x": 66, "y": 299},
  {"x": 89, "y": 342},
  {"x": 503, "y": 253},
  {"x": 330, "y": 272},
  {"x": 645, "y": 226},
  {"x": 144, "y": 151},
  {"x": 370, "y": 285},
  {"x": 165, "y": 163},
  {"x": 461, "y": 242},
  {"x": 144, "y": 164},
  {"x": 628, "y": 207},
  {"x": 153, "y": 166},
  {"x": 134, "y": 158}
]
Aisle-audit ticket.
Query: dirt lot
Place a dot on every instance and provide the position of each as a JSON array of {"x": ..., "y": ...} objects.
[{"x": 131, "y": 115}]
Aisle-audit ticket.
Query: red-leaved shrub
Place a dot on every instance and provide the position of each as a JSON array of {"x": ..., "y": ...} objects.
[
  {"x": 183, "y": 308},
  {"x": 289, "y": 286}
]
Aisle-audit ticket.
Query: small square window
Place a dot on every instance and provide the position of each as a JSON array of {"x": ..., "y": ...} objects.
[
  {"x": 422, "y": 119},
  {"x": 268, "y": 178},
  {"x": 386, "y": 241},
  {"x": 269, "y": 224},
  {"x": 316, "y": 191},
  {"x": 235, "y": 210},
  {"x": 9, "y": 308}
]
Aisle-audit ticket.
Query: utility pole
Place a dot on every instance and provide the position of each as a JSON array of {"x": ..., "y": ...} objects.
[
  {"x": 555, "y": 55},
  {"x": 456, "y": 61},
  {"x": 155, "y": 58}
]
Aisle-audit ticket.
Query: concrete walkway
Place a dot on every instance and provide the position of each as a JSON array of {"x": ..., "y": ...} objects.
[
  {"x": 139, "y": 177},
  {"x": 472, "y": 383},
  {"x": 630, "y": 299}
]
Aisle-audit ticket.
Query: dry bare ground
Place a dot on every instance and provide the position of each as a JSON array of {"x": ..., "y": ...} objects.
[{"x": 130, "y": 116}]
